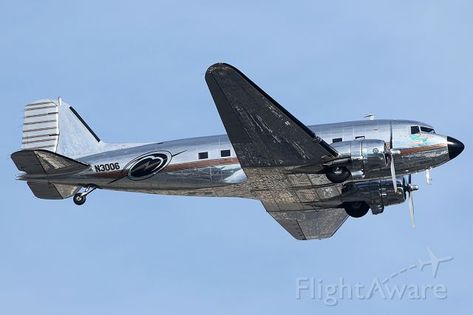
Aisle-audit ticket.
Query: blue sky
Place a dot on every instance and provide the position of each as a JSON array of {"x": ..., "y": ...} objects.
[{"x": 134, "y": 70}]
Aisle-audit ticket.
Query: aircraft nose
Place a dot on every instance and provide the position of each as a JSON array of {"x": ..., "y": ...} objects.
[{"x": 455, "y": 147}]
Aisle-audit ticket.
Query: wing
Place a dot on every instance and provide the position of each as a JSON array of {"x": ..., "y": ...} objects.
[
  {"x": 304, "y": 204},
  {"x": 311, "y": 224},
  {"x": 276, "y": 151},
  {"x": 262, "y": 132}
]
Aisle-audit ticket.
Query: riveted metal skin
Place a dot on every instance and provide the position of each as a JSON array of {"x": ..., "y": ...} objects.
[{"x": 273, "y": 158}]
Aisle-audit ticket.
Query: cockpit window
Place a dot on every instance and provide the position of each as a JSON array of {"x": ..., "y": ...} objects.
[
  {"x": 427, "y": 130},
  {"x": 414, "y": 130}
]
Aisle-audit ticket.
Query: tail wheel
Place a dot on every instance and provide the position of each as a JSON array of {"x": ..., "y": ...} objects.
[
  {"x": 79, "y": 199},
  {"x": 356, "y": 209},
  {"x": 338, "y": 174}
]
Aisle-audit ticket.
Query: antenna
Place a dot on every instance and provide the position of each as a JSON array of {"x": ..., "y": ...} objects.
[{"x": 369, "y": 116}]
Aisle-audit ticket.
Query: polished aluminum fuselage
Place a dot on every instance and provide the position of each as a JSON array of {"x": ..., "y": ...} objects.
[{"x": 186, "y": 174}]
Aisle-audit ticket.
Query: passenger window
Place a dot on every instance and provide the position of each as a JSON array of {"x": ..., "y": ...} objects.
[
  {"x": 336, "y": 140},
  {"x": 414, "y": 130},
  {"x": 427, "y": 130},
  {"x": 225, "y": 153},
  {"x": 203, "y": 155},
  {"x": 360, "y": 137}
]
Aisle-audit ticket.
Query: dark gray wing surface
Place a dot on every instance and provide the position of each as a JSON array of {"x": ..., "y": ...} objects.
[
  {"x": 272, "y": 147},
  {"x": 311, "y": 224},
  {"x": 262, "y": 132}
]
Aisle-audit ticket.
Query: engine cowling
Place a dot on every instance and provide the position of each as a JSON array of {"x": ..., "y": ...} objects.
[
  {"x": 376, "y": 193},
  {"x": 357, "y": 159}
]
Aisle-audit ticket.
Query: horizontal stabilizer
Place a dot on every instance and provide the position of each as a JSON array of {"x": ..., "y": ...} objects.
[
  {"x": 52, "y": 191},
  {"x": 43, "y": 162}
]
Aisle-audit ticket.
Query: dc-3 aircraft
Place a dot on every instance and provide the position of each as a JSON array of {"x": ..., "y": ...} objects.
[{"x": 309, "y": 178}]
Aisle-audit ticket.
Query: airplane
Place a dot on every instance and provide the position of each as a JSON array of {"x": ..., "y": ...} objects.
[
  {"x": 434, "y": 262},
  {"x": 308, "y": 178}
]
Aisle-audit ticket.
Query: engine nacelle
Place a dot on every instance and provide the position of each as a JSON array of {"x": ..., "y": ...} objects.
[
  {"x": 359, "y": 158},
  {"x": 376, "y": 193}
]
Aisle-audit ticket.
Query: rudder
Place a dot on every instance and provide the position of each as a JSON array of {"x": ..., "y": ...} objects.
[{"x": 55, "y": 126}]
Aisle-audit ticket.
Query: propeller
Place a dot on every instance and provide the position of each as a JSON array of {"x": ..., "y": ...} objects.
[
  {"x": 428, "y": 176},
  {"x": 409, "y": 188},
  {"x": 391, "y": 152}
]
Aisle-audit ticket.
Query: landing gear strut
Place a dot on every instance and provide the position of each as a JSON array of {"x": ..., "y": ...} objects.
[{"x": 80, "y": 198}]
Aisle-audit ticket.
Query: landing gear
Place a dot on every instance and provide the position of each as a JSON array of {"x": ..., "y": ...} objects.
[
  {"x": 356, "y": 209},
  {"x": 338, "y": 174},
  {"x": 80, "y": 198}
]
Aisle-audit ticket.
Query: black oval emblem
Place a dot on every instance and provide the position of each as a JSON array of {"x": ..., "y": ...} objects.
[{"x": 147, "y": 165}]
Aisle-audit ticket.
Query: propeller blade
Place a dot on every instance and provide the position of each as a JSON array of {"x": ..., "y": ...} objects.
[
  {"x": 411, "y": 210},
  {"x": 428, "y": 176},
  {"x": 393, "y": 173},
  {"x": 392, "y": 152}
]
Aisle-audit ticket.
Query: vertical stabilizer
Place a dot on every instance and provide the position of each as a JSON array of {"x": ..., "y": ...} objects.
[{"x": 55, "y": 126}]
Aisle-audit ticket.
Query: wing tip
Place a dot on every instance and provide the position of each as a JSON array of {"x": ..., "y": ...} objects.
[{"x": 220, "y": 66}]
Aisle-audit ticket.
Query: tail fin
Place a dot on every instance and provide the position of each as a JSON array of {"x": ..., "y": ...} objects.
[
  {"x": 57, "y": 127},
  {"x": 43, "y": 162}
]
